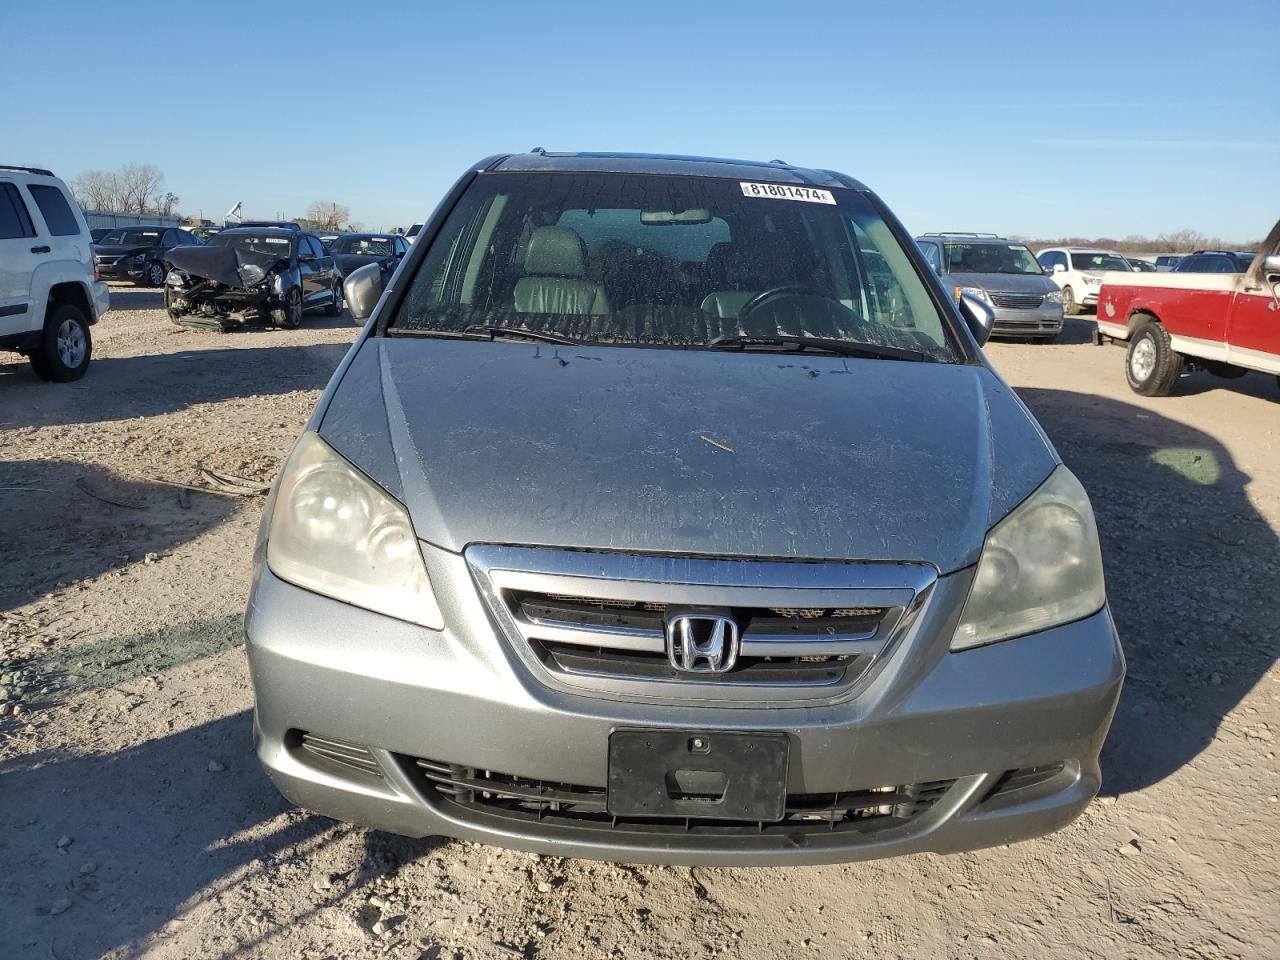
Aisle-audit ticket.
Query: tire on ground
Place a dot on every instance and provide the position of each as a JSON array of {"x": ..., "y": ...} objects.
[
  {"x": 1150, "y": 344},
  {"x": 47, "y": 359},
  {"x": 289, "y": 315}
]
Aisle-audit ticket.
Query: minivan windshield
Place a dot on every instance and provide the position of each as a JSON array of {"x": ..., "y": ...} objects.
[
  {"x": 991, "y": 258},
  {"x": 652, "y": 260}
]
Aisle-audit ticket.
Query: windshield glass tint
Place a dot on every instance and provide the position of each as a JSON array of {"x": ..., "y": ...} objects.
[
  {"x": 990, "y": 258},
  {"x": 658, "y": 260},
  {"x": 363, "y": 246},
  {"x": 256, "y": 242},
  {"x": 132, "y": 238},
  {"x": 1098, "y": 262}
]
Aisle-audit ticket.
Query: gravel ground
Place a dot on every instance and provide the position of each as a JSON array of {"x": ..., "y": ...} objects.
[{"x": 135, "y": 821}]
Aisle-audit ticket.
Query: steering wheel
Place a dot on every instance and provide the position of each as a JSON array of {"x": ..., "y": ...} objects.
[{"x": 783, "y": 290}]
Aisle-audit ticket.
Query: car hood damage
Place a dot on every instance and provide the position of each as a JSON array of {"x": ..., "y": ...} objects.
[
  {"x": 688, "y": 451},
  {"x": 226, "y": 265}
]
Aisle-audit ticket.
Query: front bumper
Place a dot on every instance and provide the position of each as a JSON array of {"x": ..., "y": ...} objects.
[
  {"x": 1042, "y": 321},
  {"x": 124, "y": 269},
  {"x": 461, "y": 697},
  {"x": 101, "y": 295}
]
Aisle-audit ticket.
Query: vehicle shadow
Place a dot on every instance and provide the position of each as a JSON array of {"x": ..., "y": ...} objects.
[
  {"x": 166, "y": 824},
  {"x": 1191, "y": 571},
  {"x": 65, "y": 521},
  {"x": 123, "y": 388},
  {"x": 129, "y": 297}
]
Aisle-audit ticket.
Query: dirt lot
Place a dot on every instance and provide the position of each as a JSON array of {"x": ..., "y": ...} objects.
[{"x": 135, "y": 821}]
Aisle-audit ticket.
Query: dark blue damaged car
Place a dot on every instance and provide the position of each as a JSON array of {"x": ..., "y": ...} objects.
[{"x": 667, "y": 510}]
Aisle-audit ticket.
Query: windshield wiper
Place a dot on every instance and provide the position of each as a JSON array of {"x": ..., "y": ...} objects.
[
  {"x": 844, "y": 348},
  {"x": 496, "y": 332},
  {"x": 480, "y": 332}
]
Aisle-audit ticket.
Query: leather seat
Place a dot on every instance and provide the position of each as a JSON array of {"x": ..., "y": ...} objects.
[{"x": 554, "y": 278}]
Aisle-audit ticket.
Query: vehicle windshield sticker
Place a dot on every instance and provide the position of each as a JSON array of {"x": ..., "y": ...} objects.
[
  {"x": 785, "y": 191},
  {"x": 280, "y": 240}
]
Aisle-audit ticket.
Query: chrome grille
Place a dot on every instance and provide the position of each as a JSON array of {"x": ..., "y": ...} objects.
[
  {"x": 1017, "y": 301},
  {"x": 598, "y": 620}
]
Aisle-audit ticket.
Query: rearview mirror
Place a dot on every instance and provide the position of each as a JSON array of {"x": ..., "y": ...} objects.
[
  {"x": 362, "y": 288},
  {"x": 978, "y": 316}
]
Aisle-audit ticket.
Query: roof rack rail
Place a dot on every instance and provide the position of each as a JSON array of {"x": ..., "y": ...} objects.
[
  {"x": 965, "y": 233},
  {"x": 37, "y": 170}
]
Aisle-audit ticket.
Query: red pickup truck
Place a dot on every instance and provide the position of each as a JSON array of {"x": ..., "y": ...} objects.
[{"x": 1226, "y": 323}]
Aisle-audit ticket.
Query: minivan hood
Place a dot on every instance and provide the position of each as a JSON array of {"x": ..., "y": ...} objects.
[
  {"x": 1005, "y": 282},
  {"x": 688, "y": 451}
]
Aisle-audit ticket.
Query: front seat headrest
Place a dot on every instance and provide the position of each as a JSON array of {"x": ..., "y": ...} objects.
[{"x": 555, "y": 252}]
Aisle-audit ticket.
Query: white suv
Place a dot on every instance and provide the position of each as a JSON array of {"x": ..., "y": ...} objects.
[
  {"x": 49, "y": 296},
  {"x": 1078, "y": 273}
]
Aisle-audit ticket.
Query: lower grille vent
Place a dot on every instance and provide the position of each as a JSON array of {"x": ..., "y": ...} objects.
[
  {"x": 528, "y": 799},
  {"x": 340, "y": 752}
]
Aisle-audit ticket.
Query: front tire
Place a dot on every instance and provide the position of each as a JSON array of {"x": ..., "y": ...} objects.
[
  {"x": 335, "y": 309},
  {"x": 289, "y": 316},
  {"x": 1069, "y": 305},
  {"x": 66, "y": 346},
  {"x": 156, "y": 274},
  {"x": 1151, "y": 364}
]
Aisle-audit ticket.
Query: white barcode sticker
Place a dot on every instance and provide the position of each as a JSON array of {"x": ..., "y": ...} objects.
[{"x": 786, "y": 191}]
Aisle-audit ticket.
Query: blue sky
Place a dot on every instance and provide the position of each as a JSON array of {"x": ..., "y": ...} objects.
[{"x": 1075, "y": 117}]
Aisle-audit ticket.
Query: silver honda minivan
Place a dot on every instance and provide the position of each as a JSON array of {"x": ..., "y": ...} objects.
[{"x": 667, "y": 510}]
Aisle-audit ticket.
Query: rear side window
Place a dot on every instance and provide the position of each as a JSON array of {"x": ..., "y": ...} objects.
[
  {"x": 55, "y": 210},
  {"x": 15, "y": 222}
]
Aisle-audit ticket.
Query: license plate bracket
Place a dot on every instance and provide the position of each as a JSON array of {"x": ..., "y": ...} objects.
[{"x": 720, "y": 775}]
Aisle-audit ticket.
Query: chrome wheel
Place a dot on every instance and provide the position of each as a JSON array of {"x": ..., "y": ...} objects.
[
  {"x": 1142, "y": 360},
  {"x": 72, "y": 344}
]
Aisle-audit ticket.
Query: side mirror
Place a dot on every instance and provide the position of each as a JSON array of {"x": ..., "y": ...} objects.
[
  {"x": 1271, "y": 265},
  {"x": 978, "y": 316},
  {"x": 1059, "y": 268},
  {"x": 362, "y": 288}
]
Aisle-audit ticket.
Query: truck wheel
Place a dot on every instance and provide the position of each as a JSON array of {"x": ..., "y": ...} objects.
[
  {"x": 65, "y": 346},
  {"x": 156, "y": 274},
  {"x": 1151, "y": 365},
  {"x": 1069, "y": 302},
  {"x": 289, "y": 317}
]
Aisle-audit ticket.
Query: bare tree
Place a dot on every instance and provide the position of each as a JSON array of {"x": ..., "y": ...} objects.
[
  {"x": 168, "y": 205},
  {"x": 134, "y": 188},
  {"x": 97, "y": 190},
  {"x": 327, "y": 215},
  {"x": 140, "y": 187}
]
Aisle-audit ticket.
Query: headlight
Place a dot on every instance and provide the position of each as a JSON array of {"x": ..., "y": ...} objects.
[
  {"x": 1055, "y": 297},
  {"x": 978, "y": 292},
  {"x": 173, "y": 278},
  {"x": 336, "y": 532},
  {"x": 1040, "y": 567}
]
